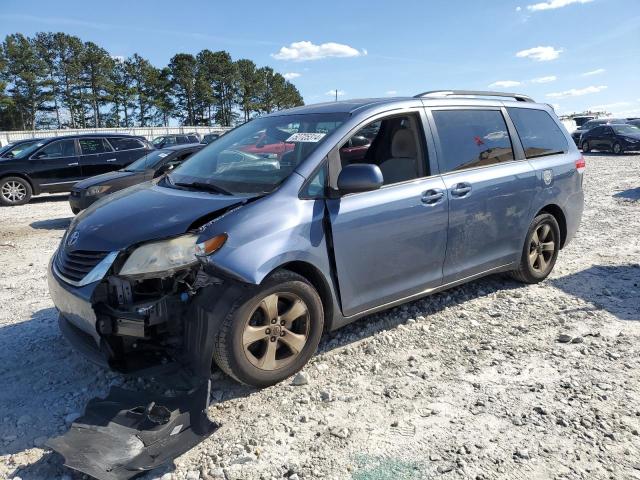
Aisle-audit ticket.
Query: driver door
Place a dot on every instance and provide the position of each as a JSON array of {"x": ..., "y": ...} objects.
[{"x": 56, "y": 167}]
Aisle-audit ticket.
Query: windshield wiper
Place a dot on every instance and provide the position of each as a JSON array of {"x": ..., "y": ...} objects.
[{"x": 204, "y": 186}]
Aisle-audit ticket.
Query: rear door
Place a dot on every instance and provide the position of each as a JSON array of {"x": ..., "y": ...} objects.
[
  {"x": 389, "y": 244},
  {"x": 608, "y": 138},
  {"x": 490, "y": 189},
  {"x": 55, "y": 166},
  {"x": 97, "y": 156}
]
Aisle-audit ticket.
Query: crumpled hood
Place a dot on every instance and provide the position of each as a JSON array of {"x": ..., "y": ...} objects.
[{"x": 142, "y": 213}]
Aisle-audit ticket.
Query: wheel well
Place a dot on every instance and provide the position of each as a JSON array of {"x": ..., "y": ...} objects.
[
  {"x": 557, "y": 212},
  {"x": 315, "y": 278},
  {"x": 23, "y": 176}
]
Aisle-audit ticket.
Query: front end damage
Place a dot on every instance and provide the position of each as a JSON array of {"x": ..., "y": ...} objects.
[{"x": 161, "y": 326}]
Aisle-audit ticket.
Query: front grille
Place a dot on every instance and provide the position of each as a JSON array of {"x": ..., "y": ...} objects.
[{"x": 76, "y": 264}]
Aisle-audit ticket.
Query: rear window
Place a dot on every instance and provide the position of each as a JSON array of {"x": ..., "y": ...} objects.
[
  {"x": 472, "y": 138},
  {"x": 126, "y": 143},
  {"x": 539, "y": 133}
]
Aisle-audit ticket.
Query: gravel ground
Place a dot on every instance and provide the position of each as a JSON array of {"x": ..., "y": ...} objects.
[{"x": 490, "y": 380}]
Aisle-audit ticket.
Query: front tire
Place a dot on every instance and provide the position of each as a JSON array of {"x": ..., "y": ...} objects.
[
  {"x": 540, "y": 250},
  {"x": 271, "y": 335},
  {"x": 14, "y": 191},
  {"x": 617, "y": 149}
]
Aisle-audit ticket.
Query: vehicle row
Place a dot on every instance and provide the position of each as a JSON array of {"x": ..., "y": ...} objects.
[{"x": 586, "y": 127}]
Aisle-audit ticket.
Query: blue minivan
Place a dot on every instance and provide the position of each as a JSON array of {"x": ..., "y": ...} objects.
[{"x": 244, "y": 258}]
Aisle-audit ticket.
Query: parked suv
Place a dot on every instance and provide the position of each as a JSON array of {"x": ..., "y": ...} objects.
[
  {"x": 171, "y": 140},
  {"x": 616, "y": 138},
  {"x": 55, "y": 164},
  {"x": 243, "y": 262},
  {"x": 152, "y": 165}
]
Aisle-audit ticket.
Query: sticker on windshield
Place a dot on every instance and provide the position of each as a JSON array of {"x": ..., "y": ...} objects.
[{"x": 306, "y": 137}]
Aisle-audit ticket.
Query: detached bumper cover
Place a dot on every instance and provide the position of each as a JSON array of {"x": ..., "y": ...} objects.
[{"x": 128, "y": 432}]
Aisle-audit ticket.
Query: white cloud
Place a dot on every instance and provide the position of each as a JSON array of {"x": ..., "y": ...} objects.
[
  {"x": 548, "y": 79},
  {"x": 305, "y": 50},
  {"x": 332, "y": 93},
  {"x": 291, "y": 75},
  {"x": 540, "y": 54},
  {"x": 598, "y": 71},
  {"x": 391, "y": 92},
  {"x": 577, "y": 92},
  {"x": 609, "y": 106},
  {"x": 518, "y": 9},
  {"x": 505, "y": 84},
  {"x": 553, "y": 4}
]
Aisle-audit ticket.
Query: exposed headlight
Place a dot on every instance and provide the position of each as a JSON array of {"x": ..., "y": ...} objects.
[
  {"x": 162, "y": 257},
  {"x": 97, "y": 190}
]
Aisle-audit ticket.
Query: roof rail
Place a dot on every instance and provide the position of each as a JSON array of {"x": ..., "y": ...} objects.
[{"x": 474, "y": 93}]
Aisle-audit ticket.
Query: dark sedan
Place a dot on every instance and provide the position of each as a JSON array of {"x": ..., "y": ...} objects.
[
  {"x": 613, "y": 138},
  {"x": 152, "y": 165},
  {"x": 585, "y": 127}
]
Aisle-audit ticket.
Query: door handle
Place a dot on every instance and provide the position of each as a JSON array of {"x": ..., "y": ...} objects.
[
  {"x": 111, "y": 160},
  {"x": 461, "y": 189},
  {"x": 73, "y": 164},
  {"x": 433, "y": 196}
]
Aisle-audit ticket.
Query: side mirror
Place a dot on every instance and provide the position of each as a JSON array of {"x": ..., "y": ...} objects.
[{"x": 359, "y": 177}]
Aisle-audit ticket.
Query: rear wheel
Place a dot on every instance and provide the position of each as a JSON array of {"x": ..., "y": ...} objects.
[
  {"x": 586, "y": 148},
  {"x": 75, "y": 210},
  {"x": 14, "y": 191},
  {"x": 273, "y": 334},
  {"x": 540, "y": 250},
  {"x": 617, "y": 149}
]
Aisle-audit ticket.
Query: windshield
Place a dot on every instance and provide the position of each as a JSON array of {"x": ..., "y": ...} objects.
[
  {"x": 150, "y": 160},
  {"x": 625, "y": 129},
  {"x": 157, "y": 141},
  {"x": 11, "y": 151},
  {"x": 259, "y": 155},
  {"x": 32, "y": 147}
]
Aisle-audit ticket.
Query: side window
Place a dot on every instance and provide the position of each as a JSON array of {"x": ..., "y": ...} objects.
[
  {"x": 125, "y": 143},
  {"x": 472, "y": 138},
  {"x": 193, "y": 139},
  {"x": 316, "y": 187},
  {"x": 395, "y": 144},
  {"x": 596, "y": 131},
  {"x": 538, "y": 132},
  {"x": 181, "y": 139},
  {"x": 62, "y": 148},
  {"x": 92, "y": 146}
]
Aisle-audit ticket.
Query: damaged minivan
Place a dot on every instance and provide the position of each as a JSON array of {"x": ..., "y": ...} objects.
[{"x": 243, "y": 257}]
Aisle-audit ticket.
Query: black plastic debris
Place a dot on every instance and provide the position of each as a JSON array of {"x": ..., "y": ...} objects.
[{"x": 128, "y": 433}]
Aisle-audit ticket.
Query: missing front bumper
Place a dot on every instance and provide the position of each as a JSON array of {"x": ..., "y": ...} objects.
[{"x": 128, "y": 432}]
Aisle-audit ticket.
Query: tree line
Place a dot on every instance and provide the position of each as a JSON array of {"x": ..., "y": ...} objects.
[{"x": 55, "y": 80}]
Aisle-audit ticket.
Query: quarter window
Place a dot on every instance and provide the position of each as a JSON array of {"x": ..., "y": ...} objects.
[
  {"x": 125, "y": 143},
  {"x": 93, "y": 146},
  {"x": 472, "y": 138},
  {"x": 59, "y": 149},
  {"x": 538, "y": 132}
]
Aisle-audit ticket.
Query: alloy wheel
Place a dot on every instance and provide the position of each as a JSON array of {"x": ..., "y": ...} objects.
[
  {"x": 13, "y": 191},
  {"x": 617, "y": 149},
  {"x": 276, "y": 331},
  {"x": 541, "y": 248}
]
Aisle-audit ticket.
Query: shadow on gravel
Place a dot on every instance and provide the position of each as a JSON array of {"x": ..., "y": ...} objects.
[
  {"x": 629, "y": 194},
  {"x": 614, "y": 288},
  {"x": 50, "y": 198},
  {"x": 53, "y": 224}
]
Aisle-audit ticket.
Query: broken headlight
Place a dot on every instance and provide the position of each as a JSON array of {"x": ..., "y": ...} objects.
[{"x": 161, "y": 257}]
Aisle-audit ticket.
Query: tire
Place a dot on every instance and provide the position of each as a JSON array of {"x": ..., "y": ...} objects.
[
  {"x": 254, "y": 343},
  {"x": 537, "y": 261},
  {"x": 15, "y": 191},
  {"x": 617, "y": 149},
  {"x": 586, "y": 148},
  {"x": 75, "y": 211}
]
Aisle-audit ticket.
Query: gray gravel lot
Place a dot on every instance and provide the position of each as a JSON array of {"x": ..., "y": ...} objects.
[{"x": 490, "y": 380}]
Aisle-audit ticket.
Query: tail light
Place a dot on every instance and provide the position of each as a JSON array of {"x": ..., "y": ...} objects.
[{"x": 581, "y": 165}]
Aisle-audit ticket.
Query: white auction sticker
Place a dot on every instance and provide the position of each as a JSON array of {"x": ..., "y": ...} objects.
[
  {"x": 306, "y": 137},
  {"x": 162, "y": 155}
]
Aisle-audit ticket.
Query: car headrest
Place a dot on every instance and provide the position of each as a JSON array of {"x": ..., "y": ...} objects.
[{"x": 403, "y": 144}]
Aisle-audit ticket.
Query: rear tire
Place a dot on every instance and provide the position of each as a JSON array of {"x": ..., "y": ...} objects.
[
  {"x": 75, "y": 211},
  {"x": 271, "y": 334},
  {"x": 586, "y": 148},
  {"x": 14, "y": 191},
  {"x": 540, "y": 250}
]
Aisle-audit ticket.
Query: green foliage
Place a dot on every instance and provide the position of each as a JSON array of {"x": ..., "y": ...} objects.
[{"x": 55, "y": 80}]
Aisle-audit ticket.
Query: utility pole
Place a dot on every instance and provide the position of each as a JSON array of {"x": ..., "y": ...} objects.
[{"x": 336, "y": 94}]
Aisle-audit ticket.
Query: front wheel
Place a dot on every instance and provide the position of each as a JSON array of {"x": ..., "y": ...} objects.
[
  {"x": 273, "y": 334},
  {"x": 540, "y": 250},
  {"x": 586, "y": 148},
  {"x": 14, "y": 191},
  {"x": 617, "y": 149}
]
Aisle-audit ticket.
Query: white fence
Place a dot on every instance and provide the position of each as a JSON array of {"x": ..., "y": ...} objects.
[{"x": 147, "y": 132}]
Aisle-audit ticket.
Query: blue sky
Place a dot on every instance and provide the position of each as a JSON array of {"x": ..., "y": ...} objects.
[{"x": 575, "y": 54}]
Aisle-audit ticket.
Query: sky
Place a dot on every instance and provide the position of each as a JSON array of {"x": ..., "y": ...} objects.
[{"x": 574, "y": 54}]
